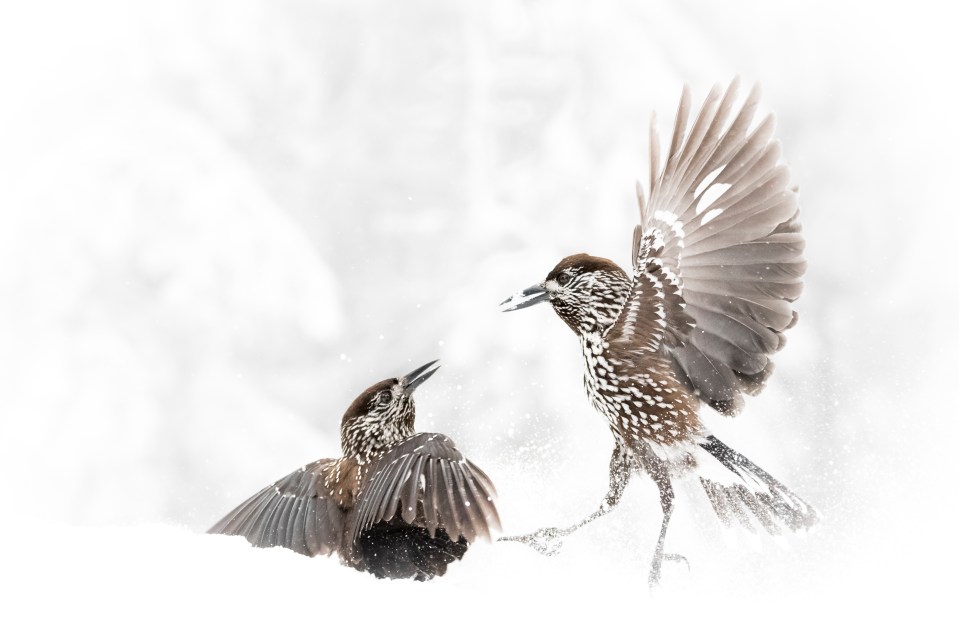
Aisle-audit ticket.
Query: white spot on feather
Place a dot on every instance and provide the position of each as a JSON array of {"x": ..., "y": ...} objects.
[
  {"x": 708, "y": 180},
  {"x": 671, "y": 221},
  {"x": 709, "y": 217},
  {"x": 711, "y": 195}
]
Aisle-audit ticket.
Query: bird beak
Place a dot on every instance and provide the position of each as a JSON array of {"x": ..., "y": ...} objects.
[
  {"x": 418, "y": 376},
  {"x": 526, "y": 298}
]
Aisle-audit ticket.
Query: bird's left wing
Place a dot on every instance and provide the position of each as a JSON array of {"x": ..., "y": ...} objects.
[
  {"x": 425, "y": 478},
  {"x": 295, "y": 512},
  {"x": 724, "y": 207}
]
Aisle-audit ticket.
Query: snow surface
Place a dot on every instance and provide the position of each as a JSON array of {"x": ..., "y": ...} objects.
[
  {"x": 157, "y": 581},
  {"x": 219, "y": 221}
]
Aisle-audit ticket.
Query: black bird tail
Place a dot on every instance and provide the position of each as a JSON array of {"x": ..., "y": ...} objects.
[
  {"x": 396, "y": 549},
  {"x": 756, "y": 494}
]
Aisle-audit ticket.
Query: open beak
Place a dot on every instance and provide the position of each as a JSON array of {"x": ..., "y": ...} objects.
[
  {"x": 418, "y": 376},
  {"x": 525, "y": 298}
]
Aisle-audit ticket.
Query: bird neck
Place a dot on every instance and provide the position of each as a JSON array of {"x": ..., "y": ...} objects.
[
  {"x": 594, "y": 311},
  {"x": 366, "y": 438}
]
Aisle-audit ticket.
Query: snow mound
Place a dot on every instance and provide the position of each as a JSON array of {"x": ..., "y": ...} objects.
[{"x": 161, "y": 581}]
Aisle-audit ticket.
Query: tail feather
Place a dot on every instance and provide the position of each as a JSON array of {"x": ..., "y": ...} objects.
[{"x": 759, "y": 495}]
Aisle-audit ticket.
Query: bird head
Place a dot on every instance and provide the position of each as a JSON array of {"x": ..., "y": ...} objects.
[
  {"x": 383, "y": 414},
  {"x": 585, "y": 291}
]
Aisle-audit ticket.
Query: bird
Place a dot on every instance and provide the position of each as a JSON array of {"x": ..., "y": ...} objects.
[
  {"x": 397, "y": 504},
  {"x": 717, "y": 261}
]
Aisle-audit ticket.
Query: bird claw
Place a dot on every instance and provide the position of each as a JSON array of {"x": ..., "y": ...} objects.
[
  {"x": 675, "y": 557},
  {"x": 547, "y": 541},
  {"x": 655, "y": 571}
]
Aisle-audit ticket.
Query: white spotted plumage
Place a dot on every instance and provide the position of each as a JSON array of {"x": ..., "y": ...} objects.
[{"x": 670, "y": 336}]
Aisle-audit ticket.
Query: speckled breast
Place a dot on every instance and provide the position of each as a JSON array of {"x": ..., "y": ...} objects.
[{"x": 639, "y": 396}]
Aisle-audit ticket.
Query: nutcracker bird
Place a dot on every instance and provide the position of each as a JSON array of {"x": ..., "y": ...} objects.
[
  {"x": 717, "y": 260},
  {"x": 398, "y": 504}
]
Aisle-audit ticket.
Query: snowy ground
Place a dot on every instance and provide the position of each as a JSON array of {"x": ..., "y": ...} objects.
[
  {"x": 219, "y": 221},
  {"x": 162, "y": 581}
]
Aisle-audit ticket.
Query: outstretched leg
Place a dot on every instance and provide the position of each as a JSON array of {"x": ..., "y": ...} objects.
[
  {"x": 661, "y": 477},
  {"x": 549, "y": 540}
]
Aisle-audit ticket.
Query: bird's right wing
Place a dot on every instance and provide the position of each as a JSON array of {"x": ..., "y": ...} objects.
[
  {"x": 425, "y": 478},
  {"x": 726, "y": 214},
  {"x": 295, "y": 512}
]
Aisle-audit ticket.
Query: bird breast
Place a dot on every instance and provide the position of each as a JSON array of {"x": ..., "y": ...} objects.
[
  {"x": 639, "y": 396},
  {"x": 344, "y": 480}
]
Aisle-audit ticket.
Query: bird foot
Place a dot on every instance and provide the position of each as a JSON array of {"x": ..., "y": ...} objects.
[
  {"x": 655, "y": 572},
  {"x": 547, "y": 541}
]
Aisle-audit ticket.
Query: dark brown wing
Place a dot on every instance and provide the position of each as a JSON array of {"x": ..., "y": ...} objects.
[
  {"x": 728, "y": 218},
  {"x": 295, "y": 512},
  {"x": 653, "y": 315},
  {"x": 427, "y": 480}
]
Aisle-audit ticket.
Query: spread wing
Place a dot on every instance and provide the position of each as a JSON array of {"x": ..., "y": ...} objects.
[
  {"x": 295, "y": 512},
  {"x": 653, "y": 315},
  {"x": 426, "y": 479},
  {"x": 724, "y": 211}
]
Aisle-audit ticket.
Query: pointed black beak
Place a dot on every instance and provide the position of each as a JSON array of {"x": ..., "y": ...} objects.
[
  {"x": 526, "y": 298},
  {"x": 418, "y": 376}
]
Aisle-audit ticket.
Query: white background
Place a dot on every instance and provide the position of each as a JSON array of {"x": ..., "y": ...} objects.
[{"x": 220, "y": 221}]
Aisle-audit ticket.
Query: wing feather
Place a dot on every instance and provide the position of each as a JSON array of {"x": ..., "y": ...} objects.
[
  {"x": 653, "y": 315},
  {"x": 412, "y": 489},
  {"x": 295, "y": 512},
  {"x": 430, "y": 513},
  {"x": 447, "y": 503},
  {"x": 722, "y": 221},
  {"x": 433, "y": 484}
]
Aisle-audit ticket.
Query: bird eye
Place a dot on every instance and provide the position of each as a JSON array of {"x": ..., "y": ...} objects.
[
  {"x": 563, "y": 279},
  {"x": 384, "y": 397}
]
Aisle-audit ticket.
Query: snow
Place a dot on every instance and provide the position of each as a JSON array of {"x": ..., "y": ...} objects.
[
  {"x": 155, "y": 581},
  {"x": 210, "y": 213}
]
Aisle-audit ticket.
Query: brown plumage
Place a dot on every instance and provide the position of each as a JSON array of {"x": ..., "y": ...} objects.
[
  {"x": 717, "y": 260},
  {"x": 398, "y": 504}
]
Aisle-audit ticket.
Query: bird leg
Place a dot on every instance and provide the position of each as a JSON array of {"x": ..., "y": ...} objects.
[
  {"x": 666, "y": 501},
  {"x": 549, "y": 540}
]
